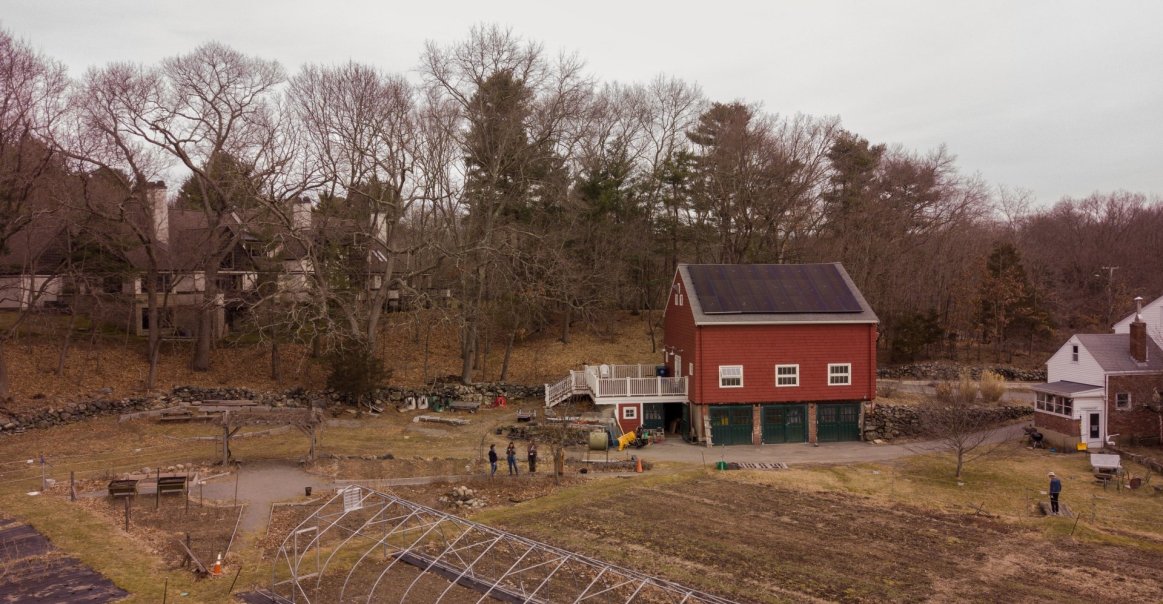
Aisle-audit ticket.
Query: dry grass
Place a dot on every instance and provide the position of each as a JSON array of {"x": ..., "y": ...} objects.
[{"x": 117, "y": 362}]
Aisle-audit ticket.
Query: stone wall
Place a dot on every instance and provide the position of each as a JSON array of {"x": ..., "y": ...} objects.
[
  {"x": 951, "y": 371},
  {"x": 886, "y": 422},
  {"x": 298, "y": 397}
]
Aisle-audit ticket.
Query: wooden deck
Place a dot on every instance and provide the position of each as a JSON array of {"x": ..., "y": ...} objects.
[{"x": 607, "y": 384}]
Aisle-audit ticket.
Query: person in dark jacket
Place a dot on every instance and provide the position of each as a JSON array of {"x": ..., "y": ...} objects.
[
  {"x": 1055, "y": 490},
  {"x": 493, "y": 459},
  {"x": 532, "y": 456},
  {"x": 511, "y": 457}
]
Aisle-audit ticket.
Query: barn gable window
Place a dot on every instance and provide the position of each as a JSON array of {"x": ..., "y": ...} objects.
[
  {"x": 1074, "y": 353},
  {"x": 840, "y": 374},
  {"x": 787, "y": 375},
  {"x": 730, "y": 376}
]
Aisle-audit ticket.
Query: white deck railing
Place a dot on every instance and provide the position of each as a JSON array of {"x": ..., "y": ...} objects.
[{"x": 621, "y": 381}]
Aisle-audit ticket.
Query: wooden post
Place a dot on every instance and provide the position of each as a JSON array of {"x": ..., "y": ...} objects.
[
  {"x": 165, "y": 590},
  {"x": 225, "y": 440},
  {"x": 127, "y": 513},
  {"x": 72, "y": 485},
  {"x": 236, "y": 488},
  {"x": 157, "y": 490}
]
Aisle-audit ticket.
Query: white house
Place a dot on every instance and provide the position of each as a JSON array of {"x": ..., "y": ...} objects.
[{"x": 1099, "y": 386}]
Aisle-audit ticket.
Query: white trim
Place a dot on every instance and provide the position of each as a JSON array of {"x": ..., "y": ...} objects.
[
  {"x": 846, "y": 374},
  {"x": 629, "y": 411},
  {"x": 794, "y": 376},
  {"x": 1126, "y": 407},
  {"x": 727, "y": 372}
]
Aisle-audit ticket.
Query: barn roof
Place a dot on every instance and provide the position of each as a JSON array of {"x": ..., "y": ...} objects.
[{"x": 773, "y": 294}]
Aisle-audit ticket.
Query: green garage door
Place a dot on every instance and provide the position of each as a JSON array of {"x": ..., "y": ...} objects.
[
  {"x": 731, "y": 425},
  {"x": 784, "y": 424},
  {"x": 836, "y": 422}
]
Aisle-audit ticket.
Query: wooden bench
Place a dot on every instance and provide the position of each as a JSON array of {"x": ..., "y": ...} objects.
[
  {"x": 124, "y": 487},
  {"x": 171, "y": 484}
]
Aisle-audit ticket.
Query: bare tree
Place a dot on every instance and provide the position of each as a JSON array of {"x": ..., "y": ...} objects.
[
  {"x": 515, "y": 113},
  {"x": 957, "y": 419},
  {"x": 32, "y": 91}
]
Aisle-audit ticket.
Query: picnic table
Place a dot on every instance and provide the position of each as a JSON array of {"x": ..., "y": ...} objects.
[
  {"x": 1106, "y": 467},
  {"x": 1106, "y": 462}
]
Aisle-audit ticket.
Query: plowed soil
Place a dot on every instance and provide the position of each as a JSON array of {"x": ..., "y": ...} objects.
[{"x": 757, "y": 543}]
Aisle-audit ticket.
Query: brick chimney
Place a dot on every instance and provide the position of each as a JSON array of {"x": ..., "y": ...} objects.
[
  {"x": 1139, "y": 333},
  {"x": 159, "y": 211},
  {"x": 301, "y": 214}
]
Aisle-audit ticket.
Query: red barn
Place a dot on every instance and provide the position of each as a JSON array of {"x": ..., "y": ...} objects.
[{"x": 761, "y": 353}]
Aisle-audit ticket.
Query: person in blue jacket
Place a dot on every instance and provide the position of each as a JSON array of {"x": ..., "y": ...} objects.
[{"x": 1055, "y": 489}]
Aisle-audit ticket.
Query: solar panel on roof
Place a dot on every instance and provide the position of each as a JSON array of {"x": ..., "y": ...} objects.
[{"x": 772, "y": 289}]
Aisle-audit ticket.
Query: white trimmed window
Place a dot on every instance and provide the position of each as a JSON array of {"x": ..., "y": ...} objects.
[
  {"x": 839, "y": 374},
  {"x": 730, "y": 376},
  {"x": 787, "y": 375},
  {"x": 1074, "y": 353},
  {"x": 629, "y": 412},
  {"x": 1123, "y": 400},
  {"x": 678, "y": 299}
]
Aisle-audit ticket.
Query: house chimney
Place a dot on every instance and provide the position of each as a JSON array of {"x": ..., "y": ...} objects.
[
  {"x": 301, "y": 214},
  {"x": 1139, "y": 333},
  {"x": 159, "y": 211}
]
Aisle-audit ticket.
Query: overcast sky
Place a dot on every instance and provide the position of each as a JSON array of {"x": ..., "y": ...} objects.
[{"x": 1059, "y": 98}]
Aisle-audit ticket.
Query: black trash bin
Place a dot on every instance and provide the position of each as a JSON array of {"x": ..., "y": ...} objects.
[{"x": 308, "y": 491}]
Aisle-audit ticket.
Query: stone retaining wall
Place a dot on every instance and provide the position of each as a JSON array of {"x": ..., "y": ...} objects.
[
  {"x": 949, "y": 371},
  {"x": 886, "y": 422},
  {"x": 298, "y": 397}
]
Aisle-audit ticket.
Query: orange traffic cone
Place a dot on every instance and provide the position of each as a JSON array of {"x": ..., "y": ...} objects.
[
  {"x": 638, "y": 468},
  {"x": 216, "y": 570}
]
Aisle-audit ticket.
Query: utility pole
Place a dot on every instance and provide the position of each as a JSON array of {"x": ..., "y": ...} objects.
[{"x": 1110, "y": 294}]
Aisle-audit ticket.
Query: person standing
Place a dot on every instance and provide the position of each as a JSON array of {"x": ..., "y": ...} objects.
[
  {"x": 493, "y": 459},
  {"x": 511, "y": 457},
  {"x": 532, "y": 456},
  {"x": 1055, "y": 490}
]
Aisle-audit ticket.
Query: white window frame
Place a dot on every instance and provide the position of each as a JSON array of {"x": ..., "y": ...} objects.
[
  {"x": 630, "y": 412},
  {"x": 1124, "y": 405},
  {"x": 1074, "y": 353},
  {"x": 727, "y": 372},
  {"x": 678, "y": 299},
  {"x": 847, "y": 374},
  {"x": 794, "y": 376}
]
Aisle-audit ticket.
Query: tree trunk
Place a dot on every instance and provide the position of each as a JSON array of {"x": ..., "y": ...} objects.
[
  {"x": 565, "y": 324},
  {"x": 3, "y": 373},
  {"x": 467, "y": 350},
  {"x": 155, "y": 339},
  {"x": 427, "y": 350},
  {"x": 67, "y": 341},
  {"x": 508, "y": 354},
  {"x": 276, "y": 361}
]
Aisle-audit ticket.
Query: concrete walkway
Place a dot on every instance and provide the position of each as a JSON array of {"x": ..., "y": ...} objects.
[{"x": 260, "y": 485}]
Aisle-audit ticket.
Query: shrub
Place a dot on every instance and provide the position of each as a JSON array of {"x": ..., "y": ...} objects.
[{"x": 992, "y": 385}]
